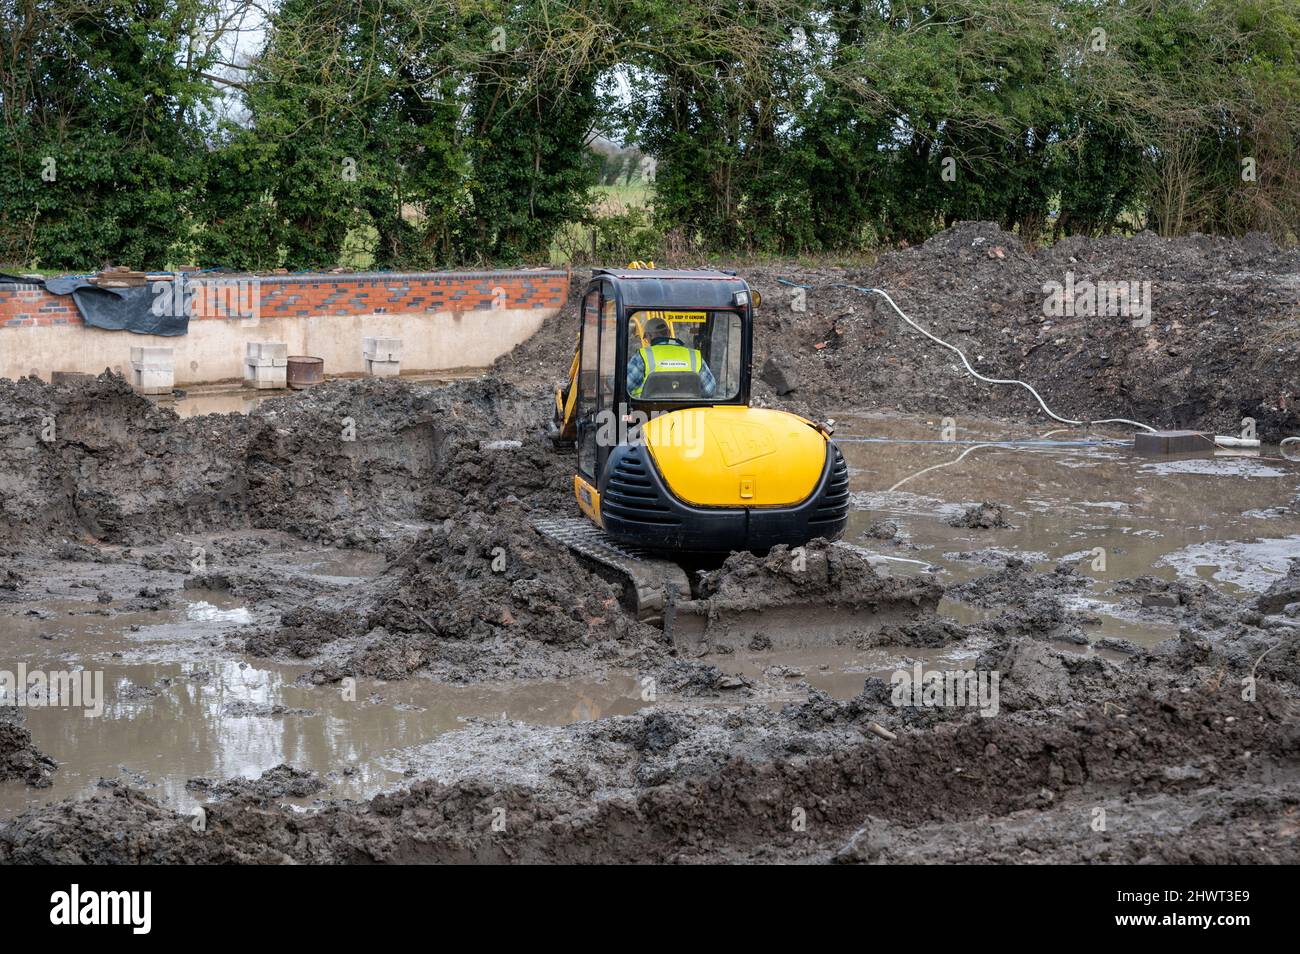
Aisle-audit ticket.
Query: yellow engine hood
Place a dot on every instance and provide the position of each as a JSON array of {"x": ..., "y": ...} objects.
[{"x": 733, "y": 456}]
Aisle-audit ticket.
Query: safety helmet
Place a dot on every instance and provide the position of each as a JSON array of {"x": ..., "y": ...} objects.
[{"x": 657, "y": 328}]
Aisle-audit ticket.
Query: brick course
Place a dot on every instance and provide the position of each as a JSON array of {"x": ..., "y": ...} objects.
[{"x": 325, "y": 295}]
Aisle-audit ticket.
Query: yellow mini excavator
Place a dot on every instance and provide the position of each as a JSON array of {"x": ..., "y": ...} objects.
[
  {"x": 675, "y": 469},
  {"x": 671, "y": 458}
]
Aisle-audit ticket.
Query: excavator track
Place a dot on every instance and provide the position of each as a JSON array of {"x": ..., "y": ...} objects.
[
  {"x": 655, "y": 584},
  {"x": 660, "y": 590}
]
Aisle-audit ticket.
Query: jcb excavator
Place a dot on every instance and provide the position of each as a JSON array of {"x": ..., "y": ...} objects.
[
  {"x": 672, "y": 461},
  {"x": 671, "y": 457}
]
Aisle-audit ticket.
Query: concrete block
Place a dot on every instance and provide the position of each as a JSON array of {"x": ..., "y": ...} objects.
[
  {"x": 266, "y": 364},
  {"x": 151, "y": 358},
  {"x": 266, "y": 354},
  {"x": 383, "y": 369},
  {"x": 152, "y": 370},
  {"x": 266, "y": 377},
  {"x": 152, "y": 380},
  {"x": 1159, "y": 443},
  {"x": 381, "y": 349}
]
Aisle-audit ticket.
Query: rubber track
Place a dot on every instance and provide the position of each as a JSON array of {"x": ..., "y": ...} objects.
[{"x": 656, "y": 583}]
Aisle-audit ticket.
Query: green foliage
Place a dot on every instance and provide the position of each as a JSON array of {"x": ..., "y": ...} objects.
[
  {"x": 440, "y": 132},
  {"x": 627, "y": 236},
  {"x": 1049, "y": 116},
  {"x": 529, "y": 171},
  {"x": 101, "y": 144}
]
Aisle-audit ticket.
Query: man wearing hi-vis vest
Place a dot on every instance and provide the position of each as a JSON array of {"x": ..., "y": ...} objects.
[{"x": 666, "y": 354}]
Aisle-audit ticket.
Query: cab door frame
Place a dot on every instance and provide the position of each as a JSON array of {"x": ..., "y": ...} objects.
[
  {"x": 610, "y": 400},
  {"x": 601, "y": 415},
  {"x": 585, "y": 413}
]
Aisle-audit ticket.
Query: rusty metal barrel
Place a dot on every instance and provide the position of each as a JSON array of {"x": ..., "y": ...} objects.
[{"x": 304, "y": 371}]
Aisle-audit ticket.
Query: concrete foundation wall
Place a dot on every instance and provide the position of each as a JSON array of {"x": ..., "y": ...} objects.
[{"x": 448, "y": 320}]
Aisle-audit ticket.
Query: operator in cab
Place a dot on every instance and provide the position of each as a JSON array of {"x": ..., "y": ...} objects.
[{"x": 662, "y": 353}]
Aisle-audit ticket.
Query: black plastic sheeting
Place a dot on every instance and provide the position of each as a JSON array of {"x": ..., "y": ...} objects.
[{"x": 114, "y": 309}]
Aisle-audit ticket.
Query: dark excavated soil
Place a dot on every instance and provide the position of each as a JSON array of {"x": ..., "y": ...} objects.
[
  {"x": 19, "y": 758},
  {"x": 350, "y": 462},
  {"x": 1206, "y": 755},
  {"x": 1222, "y": 343}
]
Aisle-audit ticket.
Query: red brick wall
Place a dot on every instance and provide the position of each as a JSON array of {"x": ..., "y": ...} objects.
[
  {"x": 324, "y": 295},
  {"x": 33, "y": 305}
]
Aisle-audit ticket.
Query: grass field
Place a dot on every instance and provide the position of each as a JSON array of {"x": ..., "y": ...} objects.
[{"x": 574, "y": 239}]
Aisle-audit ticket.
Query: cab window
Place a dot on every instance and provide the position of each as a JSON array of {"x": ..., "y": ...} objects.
[
  {"x": 608, "y": 349},
  {"x": 684, "y": 355},
  {"x": 586, "y": 409}
]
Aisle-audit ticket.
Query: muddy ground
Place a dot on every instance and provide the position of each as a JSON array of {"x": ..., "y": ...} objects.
[{"x": 366, "y": 550}]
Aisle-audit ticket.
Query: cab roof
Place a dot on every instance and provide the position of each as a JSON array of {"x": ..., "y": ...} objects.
[{"x": 673, "y": 288}]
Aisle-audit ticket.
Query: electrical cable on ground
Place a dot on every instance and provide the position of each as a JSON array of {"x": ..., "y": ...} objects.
[
  {"x": 1009, "y": 442},
  {"x": 961, "y": 354}
]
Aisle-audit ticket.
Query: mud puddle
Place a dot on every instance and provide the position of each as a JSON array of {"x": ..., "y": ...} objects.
[
  {"x": 162, "y": 726},
  {"x": 178, "y": 699},
  {"x": 1100, "y": 509},
  {"x": 67, "y": 630},
  {"x": 1110, "y": 514},
  {"x": 786, "y": 676},
  {"x": 336, "y": 566}
]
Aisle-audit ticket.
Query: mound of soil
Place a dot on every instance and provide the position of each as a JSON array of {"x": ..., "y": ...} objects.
[
  {"x": 282, "y": 781},
  {"x": 483, "y": 592},
  {"x": 818, "y": 573},
  {"x": 1222, "y": 343},
  {"x": 1017, "y": 585},
  {"x": 92, "y": 458},
  {"x": 982, "y": 516},
  {"x": 350, "y": 462},
  {"x": 19, "y": 758}
]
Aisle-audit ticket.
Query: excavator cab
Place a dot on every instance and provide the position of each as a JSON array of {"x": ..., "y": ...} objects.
[{"x": 670, "y": 455}]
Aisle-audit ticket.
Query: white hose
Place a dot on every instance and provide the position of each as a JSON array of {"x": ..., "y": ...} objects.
[
  {"x": 948, "y": 463},
  {"x": 953, "y": 348}
]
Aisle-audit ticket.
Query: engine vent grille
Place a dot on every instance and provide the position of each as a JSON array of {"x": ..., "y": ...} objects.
[
  {"x": 630, "y": 493},
  {"x": 834, "y": 504}
]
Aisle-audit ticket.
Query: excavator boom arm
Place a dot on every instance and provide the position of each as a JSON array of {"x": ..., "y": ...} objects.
[{"x": 566, "y": 402}]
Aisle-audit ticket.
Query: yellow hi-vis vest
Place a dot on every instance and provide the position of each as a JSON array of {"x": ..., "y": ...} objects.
[{"x": 667, "y": 358}]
